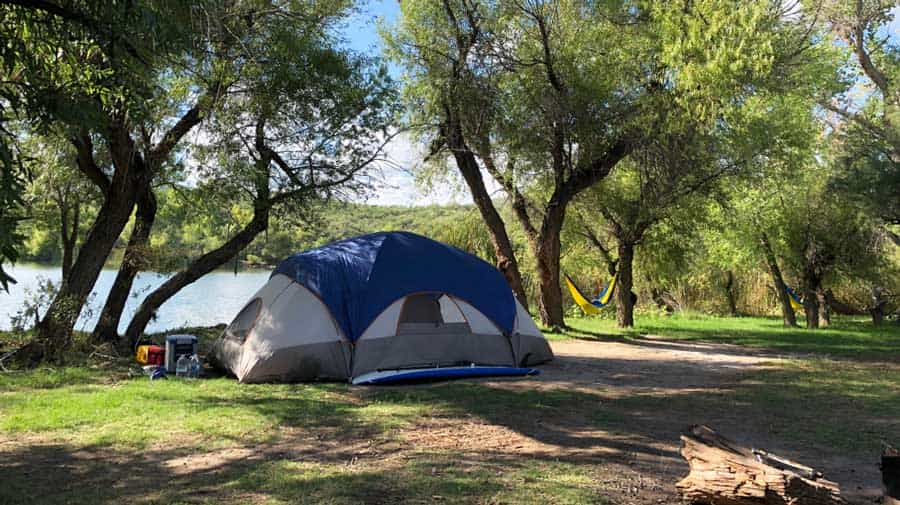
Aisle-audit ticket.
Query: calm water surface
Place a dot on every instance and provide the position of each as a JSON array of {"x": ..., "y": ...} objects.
[{"x": 215, "y": 298}]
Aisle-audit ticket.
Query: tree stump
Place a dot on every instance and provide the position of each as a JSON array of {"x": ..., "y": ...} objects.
[
  {"x": 724, "y": 473},
  {"x": 890, "y": 475}
]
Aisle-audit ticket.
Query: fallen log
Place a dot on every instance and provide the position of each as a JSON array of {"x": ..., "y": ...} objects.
[
  {"x": 725, "y": 473},
  {"x": 890, "y": 475}
]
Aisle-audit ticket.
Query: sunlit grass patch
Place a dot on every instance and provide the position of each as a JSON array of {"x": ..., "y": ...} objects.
[
  {"x": 851, "y": 407},
  {"x": 46, "y": 378},
  {"x": 846, "y": 337},
  {"x": 134, "y": 413},
  {"x": 420, "y": 478}
]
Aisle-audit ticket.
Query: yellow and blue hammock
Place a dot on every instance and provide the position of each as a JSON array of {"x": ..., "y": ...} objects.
[
  {"x": 594, "y": 306},
  {"x": 796, "y": 301}
]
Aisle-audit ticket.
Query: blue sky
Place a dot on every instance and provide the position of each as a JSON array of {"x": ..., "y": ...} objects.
[
  {"x": 398, "y": 187},
  {"x": 361, "y": 32}
]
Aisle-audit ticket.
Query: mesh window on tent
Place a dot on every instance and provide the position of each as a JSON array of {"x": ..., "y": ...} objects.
[{"x": 245, "y": 320}]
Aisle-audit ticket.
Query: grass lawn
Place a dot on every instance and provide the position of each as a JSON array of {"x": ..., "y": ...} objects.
[
  {"x": 317, "y": 443},
  {"x": 99, "y": 433},
  {"x": 847, "y": 337}
]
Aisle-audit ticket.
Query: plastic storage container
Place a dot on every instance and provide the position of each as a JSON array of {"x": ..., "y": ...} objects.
[
  {"x": 179, "y": 345},
  {"x": 182, "y": 366},
  {"x": 194, "y": 367}
]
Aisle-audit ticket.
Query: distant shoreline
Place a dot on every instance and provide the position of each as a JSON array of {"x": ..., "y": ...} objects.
[{"x": 243, "y": 266}]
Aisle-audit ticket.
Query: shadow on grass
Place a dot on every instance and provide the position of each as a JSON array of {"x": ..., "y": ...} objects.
[
  {"x": 56, "y": 474},
  {"x": 52, "y": 378},
  {"x": 588, "y": 431},
  {"x": 610, "y": 411},
  {"x": 561, "y": 418}
]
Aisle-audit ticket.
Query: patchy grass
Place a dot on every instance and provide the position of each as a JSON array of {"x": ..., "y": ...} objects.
[
  {"x": 838, "y": 407},
  {"x": 100, "y": 432},
  {"x": 427, "y": 478},
  {"x": 850, "y": 407},
  {"x": 847, "y": 337},
  {"x": 123, "y": 413},
  {"x": 103, "y": 430}
]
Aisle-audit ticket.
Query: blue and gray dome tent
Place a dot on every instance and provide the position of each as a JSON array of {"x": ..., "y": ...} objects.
[{"x": 378, "y": 306}]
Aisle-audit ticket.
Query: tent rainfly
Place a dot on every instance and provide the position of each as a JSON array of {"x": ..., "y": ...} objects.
[{"x": 385, "y": 302}]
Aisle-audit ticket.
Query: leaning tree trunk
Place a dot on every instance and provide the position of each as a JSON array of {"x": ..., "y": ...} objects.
[
  {"x": 196, "y": 269},
  {"x": 787, "y": 312},
  {"x": 624, "y": 285},
  {"x": 54, "y": 332},
  {"x": 471, "y": 172},
  {"x": 107, "y": 328},
  {"x": 838, "y": 307},
  {"x": 550, "y": 302}
]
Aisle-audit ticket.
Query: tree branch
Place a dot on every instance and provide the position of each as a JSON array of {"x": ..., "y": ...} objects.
[
  {"x": 862, "y": 55},
  {"x": 594, "y": 171},
  {"x": 589, "y": 234},
  {"x": 185, "y": 123},
  {"x": 519, "y": 203},
  {"x": 855, "y": 117},
  {"x": 84, "y": 158}
]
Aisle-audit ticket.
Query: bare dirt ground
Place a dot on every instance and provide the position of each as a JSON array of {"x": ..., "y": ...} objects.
[
  {"x": 638, "y": 457},
  {"x": 626, "y": 404}
]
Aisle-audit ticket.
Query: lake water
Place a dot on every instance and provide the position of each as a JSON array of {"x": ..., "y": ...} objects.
[{"x": 214, "y": 298}]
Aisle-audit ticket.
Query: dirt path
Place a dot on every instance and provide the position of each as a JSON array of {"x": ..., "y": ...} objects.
[
  {"x": 648, "y": 364},
  {"x": 642, "y": 394}
]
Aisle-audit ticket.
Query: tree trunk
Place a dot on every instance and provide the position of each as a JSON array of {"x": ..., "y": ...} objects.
[
  {"x": 824, "y": 309},
  {"x": 471, "y": 172},
  {"x": 133, "y": 173},
  {"x": 69, "y": 235},
  {"x": 547, "y": 255},
  {"x": 54, "y": 332},
  {"x": 107, "y": 329},
  {"x": 729, "y": 294},
  {"x": 787, "y": 312},
  {"x": 725, "y": 473},
  {"x": 878, "y": 303},
  {"x": 624, "y": 298},
  {"x": 663, "y": 300},
  {"x": 811, "y": 302},
  {"x": 196, "y": 269}
]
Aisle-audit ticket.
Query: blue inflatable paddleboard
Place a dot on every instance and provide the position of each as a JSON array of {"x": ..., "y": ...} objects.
[{"x": 455, "y": 372}]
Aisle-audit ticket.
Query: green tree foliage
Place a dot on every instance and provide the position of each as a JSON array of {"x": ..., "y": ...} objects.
[
  {"x": 58, "y": 194},
  {"x": 303, "y": 121},
  {"x": 827, "y": 235},
  {"x": 866, "y": 123},
  {"x": 51, "y": 53},
  {"x": 90, "y": 71},
  {"x": 551, "y": 96}
]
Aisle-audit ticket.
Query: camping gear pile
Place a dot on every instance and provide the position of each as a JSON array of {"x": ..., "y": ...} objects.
[
  {"x": 179, "y": 356},
  {"x": 149, "y": 354},
  {"x": 380, "y": 308}
]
